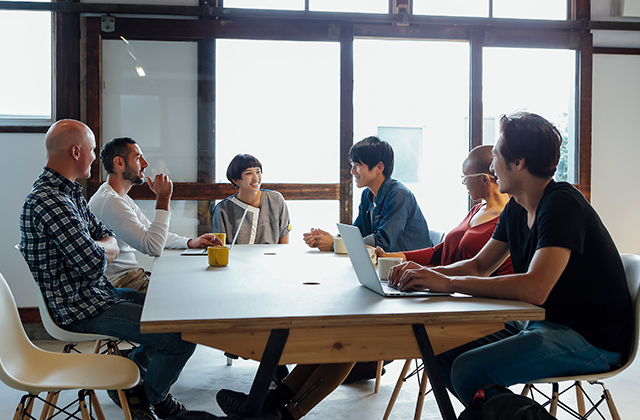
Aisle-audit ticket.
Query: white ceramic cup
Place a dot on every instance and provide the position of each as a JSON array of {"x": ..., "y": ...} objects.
[
  {"x": 385, "y": 264},
  {"x": 338, "y": 245}
]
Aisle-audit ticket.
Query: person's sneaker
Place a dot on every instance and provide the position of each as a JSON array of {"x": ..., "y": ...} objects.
[
  {"x": 281, "y": 372},
  {"x": 139, "y": 406},
  {"x": 169, "y": 407},
  {"x": 231, "y": 402}
]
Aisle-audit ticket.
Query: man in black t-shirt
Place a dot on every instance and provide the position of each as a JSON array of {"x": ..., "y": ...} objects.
[{"x": 564, "y": 260}]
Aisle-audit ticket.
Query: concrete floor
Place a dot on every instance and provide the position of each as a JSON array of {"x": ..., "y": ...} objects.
[{"x": 207, "y": 372}]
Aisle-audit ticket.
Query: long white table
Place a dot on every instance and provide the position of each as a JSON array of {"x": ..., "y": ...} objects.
[{"x": 283, "y": 304}]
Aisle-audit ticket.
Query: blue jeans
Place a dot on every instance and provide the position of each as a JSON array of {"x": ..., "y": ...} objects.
[
  {"x": 522, "y": 352},
  {"x": 160, "y": 357}
]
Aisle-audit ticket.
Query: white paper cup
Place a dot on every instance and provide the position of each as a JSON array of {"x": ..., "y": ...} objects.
[
  {"x": 338, "y": 245},
  {"x": 385, "y": 264}
]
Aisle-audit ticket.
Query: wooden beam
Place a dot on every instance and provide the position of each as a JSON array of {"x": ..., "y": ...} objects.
[
  {"x": 210, "y": 191},
  {"x": 346, "y": 122},
  {"x": 616, "y": 51},
  {"x": 93, "y": 93},
  {"x": 585, "y": 113},
  {"x": 475, "y": 85},
  {"x": 67, "y": 64}
]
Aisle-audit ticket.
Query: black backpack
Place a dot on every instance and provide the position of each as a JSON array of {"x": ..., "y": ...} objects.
[{"x": 504, "y": 406}]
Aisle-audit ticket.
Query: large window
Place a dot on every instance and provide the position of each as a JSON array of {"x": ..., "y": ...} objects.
[
  {"x": 26, "y": 71},
  {"x": 415, "y": 95},
  {"x": 279, "y": 101},
  {"x": 537, "y": 80}
]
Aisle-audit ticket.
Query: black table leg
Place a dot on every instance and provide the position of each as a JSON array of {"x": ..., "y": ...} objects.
[
  {"x": 266, "y": 370},
  {"x": 431, "y": 368}
]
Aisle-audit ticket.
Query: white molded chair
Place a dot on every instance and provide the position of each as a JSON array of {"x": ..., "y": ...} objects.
[
  {"x": 436, "y": 236},
  {"x": 28, "y": 368},
  {"x": 632, "y": 269},
  {"x": 74, "y": 338}
]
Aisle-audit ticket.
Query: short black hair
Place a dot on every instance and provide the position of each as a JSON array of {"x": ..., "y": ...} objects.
[
  {"x": 116, "y": 147},
  {"x": 531, "y": 137},
  {"x": 239, "y": 164},
  {"x": 372, "y": 150}
]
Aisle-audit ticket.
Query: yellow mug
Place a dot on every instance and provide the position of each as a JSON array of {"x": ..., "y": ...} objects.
[
  {"x": 222, "y": 236},
  {"x": 218, "y": 255}
]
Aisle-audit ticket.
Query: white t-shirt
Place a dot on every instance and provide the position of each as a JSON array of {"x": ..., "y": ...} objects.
[{"x": 133, "y": 229}]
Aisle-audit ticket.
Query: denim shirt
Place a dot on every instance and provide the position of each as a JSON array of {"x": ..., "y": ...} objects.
[{"x": 396, "y": 222}]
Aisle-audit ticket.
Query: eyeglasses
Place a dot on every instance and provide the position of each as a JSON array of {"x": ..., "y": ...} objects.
[{"x": 464, "y": 178}]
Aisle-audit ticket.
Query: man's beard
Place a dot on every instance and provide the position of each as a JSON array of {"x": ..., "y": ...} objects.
[{"x": 131, "y": 175}]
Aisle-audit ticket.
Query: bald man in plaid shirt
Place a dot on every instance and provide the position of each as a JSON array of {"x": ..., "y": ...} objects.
[{"x": 67, "y": 250}]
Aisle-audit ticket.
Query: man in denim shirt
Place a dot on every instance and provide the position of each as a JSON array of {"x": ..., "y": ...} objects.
[
  {"x": 389, "y": 215},
  {"x": 67, "y": 250}
]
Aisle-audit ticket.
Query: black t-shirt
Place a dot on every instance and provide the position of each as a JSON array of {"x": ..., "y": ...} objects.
[{"x": 591, "y": 296}]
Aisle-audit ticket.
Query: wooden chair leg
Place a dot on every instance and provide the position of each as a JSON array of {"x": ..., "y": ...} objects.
[
  {"x": 376, "y": 388},
  {"x": 124, "y": 403},
  {"x": 526, "y": 390},
  {"x": 82, "y": 394},
  {"x": 579, "y": 397},
  {"x": 48, "y": 408},
  {"x": 95, "y": 403},
  {"x": 24, "y": 407},
  {"x": 553, "y": 408},
  {"x": 97, "y": 346},
  {"x": 396, "y": 390},
  {"x": 612, "y": 406},
  {"x": 421, "y": 394}
]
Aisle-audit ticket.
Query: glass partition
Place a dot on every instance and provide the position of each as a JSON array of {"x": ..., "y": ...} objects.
[{"x": 149, "y": 93}]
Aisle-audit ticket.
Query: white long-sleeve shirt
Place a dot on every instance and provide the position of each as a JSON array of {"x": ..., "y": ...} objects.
[{"x": 133, "y": 230}]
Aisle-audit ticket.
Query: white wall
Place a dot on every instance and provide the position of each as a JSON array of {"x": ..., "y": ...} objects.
[
  {"x": 21, "y": 160},
  {"x": 615, "y": 175}
]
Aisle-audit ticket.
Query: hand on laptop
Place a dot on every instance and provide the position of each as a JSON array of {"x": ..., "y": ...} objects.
[{"x": 411, "y": 276}]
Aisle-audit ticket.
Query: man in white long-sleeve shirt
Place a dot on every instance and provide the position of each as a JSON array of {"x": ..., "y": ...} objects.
[{"x": 124, "y": 162}]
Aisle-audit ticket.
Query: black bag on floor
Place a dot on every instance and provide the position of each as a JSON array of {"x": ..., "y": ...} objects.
[
  {"x": 504, "y": 406},
  {"x": 193, "y": 415}
]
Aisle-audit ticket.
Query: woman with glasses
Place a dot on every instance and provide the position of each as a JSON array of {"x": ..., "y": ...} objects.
[{"x": 468, "y": 238}]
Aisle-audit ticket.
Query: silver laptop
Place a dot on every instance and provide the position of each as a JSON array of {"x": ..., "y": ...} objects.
[{"x": 363, "y": 266}]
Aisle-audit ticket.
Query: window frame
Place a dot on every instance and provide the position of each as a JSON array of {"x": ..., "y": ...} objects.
[{"x": 478, "y": 32}]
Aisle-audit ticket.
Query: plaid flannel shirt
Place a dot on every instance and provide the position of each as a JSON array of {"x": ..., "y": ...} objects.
[{"x": 58, "y": 242}]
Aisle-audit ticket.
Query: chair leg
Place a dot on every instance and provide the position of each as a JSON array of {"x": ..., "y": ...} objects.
[
  {"x": 124, "y": 403},
  {"x": 421, "y": 394},
  {"x": 49, "y": 405},
  {"x": 579, "y": 397},
  {"x": 526, "y": 390},
  {"x": 97, "y": 346},
  {"x": 95, "y": 403},
  {"x": 554, "y": 399},
  {"x": 376, "y": 388},
  {"x": 82, "y": 394},
  {"x": 396, "y": 390},
  {"x": 612, "y": 406},
  {"x": 24, "y": 407}
]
